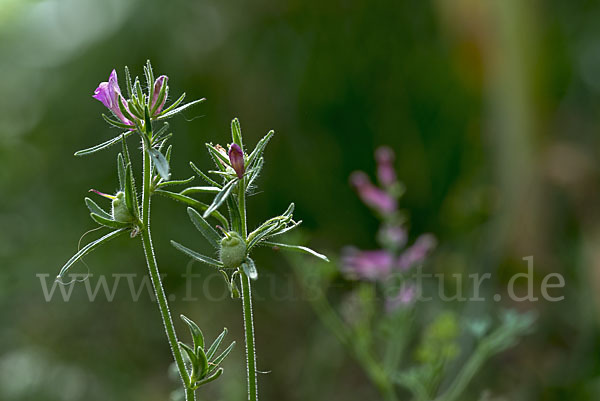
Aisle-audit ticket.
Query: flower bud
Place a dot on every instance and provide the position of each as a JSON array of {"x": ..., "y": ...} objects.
[
  {"x": 233, "y": 250},
  {"x": 385, "y": 166},
  {"x": 158, "y": 86},
  {"x": 236, "y": 157},
  {"x": 120, "y": 212}
]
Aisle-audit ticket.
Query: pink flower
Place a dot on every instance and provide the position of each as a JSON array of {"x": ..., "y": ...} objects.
[
  {"x": 372, "y": 196},
  {"x": 367, "y": 265},
  {"x": 417, "y": 252},
  {"x": 109, "y": 93},
  {"x": 236, "y": 157},
  {"x": 158, "y": 85},
  {"x": 385, "y": 168}
]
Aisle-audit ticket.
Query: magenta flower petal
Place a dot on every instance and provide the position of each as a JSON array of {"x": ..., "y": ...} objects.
[
  {"x": 102, "y": 94},
  {"x": 236, "y": 157},
  {"x": 417, "y": 252},
  {"x": 366, "y": 265},
  {"x": 371, "y": 195},
  {"x": 158, "y": 85},
  {"x": 109, "y": 93},
  {"x": 385, "y": 166}
]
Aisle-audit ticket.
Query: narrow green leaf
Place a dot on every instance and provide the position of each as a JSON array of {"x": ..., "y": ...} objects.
[
  {"x": 147, "y": 122},
  {"x": 209, "y": 379},
  {"x": 126, "y": 157},
  {"x": 121, "y": 171},
  {"x": 197, "y": 335},
  {"x": 259, "y": 149},
  {"x": 195, "y": 255},
  {"x": 204, "y": 190},
  {"x": 115, "y": 123},
  {"x": 160, "y": 162},
  {"x": 227, "y": 175},
  {"x": 220, "y": 198},
  {"x": 130, "y": 199},
  {"x": 296, "y": 248},
  {"x": 221, "y": 160},
  {"x": 176, "y": 182},
  {"x": 128, "y": 84},
  {"x": 138, "y": 90},
  {"x": 212, "y": 350},
  {"x": 149, "y": 78},
  {"x": 161, "y": 132},
  {"x": 255, "y": 172},
  {"x": 196, "y": 204},
  {"x": 103, "y": 145},
  {"x": 124, "y": 110},
  {"x": 134, "y": 108},
  {"x": 204, "y": 176},
  {"x": 171, "y": 113},
  {"x": 191, "y": 356},
  {"x": 168, "y": 152},
  {"x": 235, "y": 291},
  {"x": 175, "y": 104},
  {"x": 215, "y": 363},
  {"x": 94, "y": 208},
  {"x": 236, "y": 133},
  {"x": 205, "y": 229},
  {"x": 250, "y": 268},
  {"x": 88, "y": 248},
  {"x": 110, "y": 223},
  {"x": 203, "y": 363}
]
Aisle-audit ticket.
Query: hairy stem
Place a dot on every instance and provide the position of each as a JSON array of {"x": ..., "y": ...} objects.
[
  {"x": 155, "y": 276},
  {"x": 249, "y": 331},
  {"x": 247, "y": 303}
]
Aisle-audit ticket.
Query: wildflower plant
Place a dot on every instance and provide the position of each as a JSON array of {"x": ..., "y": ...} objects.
[
  {"x": 376, "y": 321},
  {"x": 234, "y": 178},
  {"x": 142, "y": 114}
]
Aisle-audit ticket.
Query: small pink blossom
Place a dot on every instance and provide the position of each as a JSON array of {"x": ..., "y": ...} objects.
[
  {"x": 109, "y": 94},
  {"x": 372, "y": 196},
  {"x": 236, "y": 157},
  {"x": 367, "y": 265},
  {"x": 158, "y": 85},
  {"x": 417, "y": 252},
  {"x": 385, "y": 166}
]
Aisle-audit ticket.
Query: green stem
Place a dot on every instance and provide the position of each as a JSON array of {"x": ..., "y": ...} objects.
[
  {"x": 464, "y": 377},
  {"x": 249, "y": 330},
  {"x": 332, "y": 321},
  {"x": 242, "y": 206},
  {"x": 155, "y": 276},
  {"x": 247, "y": 303}
]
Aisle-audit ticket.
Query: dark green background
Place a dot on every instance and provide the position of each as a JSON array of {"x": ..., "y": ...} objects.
[{"x": 491, "y": 107}]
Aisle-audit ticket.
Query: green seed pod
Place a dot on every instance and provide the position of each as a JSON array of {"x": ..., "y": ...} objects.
[
  {"x": 119, "y": 209},
  {"x": 233, "y": 250}
]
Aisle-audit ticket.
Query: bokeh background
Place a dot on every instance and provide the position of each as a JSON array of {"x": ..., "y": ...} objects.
[{"x": 491, "y": 106}]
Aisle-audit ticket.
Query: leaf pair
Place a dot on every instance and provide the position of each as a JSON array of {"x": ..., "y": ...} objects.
[
  {"x": 274, "y": 226},
  {"x": 204, "y": 364}
]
